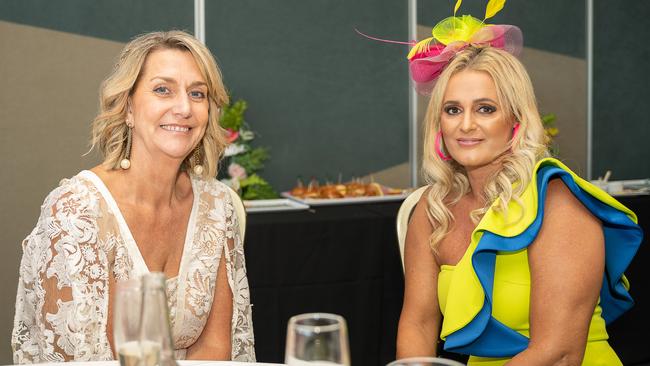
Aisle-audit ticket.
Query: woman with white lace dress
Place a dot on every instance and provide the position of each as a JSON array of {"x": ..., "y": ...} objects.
[{"x": 152, "y": 205}]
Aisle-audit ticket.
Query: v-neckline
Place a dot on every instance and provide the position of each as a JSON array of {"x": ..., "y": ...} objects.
[{"x": 140, "y": 266}]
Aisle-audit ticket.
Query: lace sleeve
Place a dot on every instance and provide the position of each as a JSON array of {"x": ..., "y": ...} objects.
[
  {"x": 243, "y": 342},
  {"x": 61, "y": 302}
]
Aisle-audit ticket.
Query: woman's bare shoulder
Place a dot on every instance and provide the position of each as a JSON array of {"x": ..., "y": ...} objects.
[
  {"x": 419, "y": 216},
  {"x": 560, "y": 201},
  {"x": 565, "y": 215}
]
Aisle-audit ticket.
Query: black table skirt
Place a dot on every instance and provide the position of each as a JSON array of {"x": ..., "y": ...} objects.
[
  {"x": 338, "y": 259},
  {"x": 345, "y": 260},
  {"x": 629, "y": 334}
]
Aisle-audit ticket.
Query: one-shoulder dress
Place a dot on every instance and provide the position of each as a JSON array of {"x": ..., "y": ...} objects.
[{"x": 485, "y": 298}]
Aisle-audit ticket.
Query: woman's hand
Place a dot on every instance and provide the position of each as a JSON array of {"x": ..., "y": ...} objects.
[
  {"x": 419, "y": 323},
  {"x": 567, "y": 261}
]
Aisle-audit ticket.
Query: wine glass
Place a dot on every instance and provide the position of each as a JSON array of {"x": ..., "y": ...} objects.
[
  {"x": 317, "y": 339},
  {"x": 127, "y": 320},
  {"x": 425, "y": 361}
]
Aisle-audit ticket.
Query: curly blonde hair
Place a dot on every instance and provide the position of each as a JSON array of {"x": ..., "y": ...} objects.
[
  {"x": 448, "y": 179},
  {"x": 109, "y": 130}
]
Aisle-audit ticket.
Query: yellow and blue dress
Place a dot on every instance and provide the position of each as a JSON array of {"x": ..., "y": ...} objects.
[{"x": 485, "y": 298}]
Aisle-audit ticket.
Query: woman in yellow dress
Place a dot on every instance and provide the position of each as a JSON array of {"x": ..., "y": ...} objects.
[{"x": 510, "y": 257}]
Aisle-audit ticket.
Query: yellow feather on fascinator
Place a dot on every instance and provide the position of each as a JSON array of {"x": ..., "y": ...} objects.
[{"x": 493, "y": 7}]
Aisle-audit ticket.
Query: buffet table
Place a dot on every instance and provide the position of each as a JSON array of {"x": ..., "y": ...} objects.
[{"x": 345, "y": 260}]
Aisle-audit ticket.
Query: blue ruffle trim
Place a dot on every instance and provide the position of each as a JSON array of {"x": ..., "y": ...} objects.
[{"x": 485, "y": 336}]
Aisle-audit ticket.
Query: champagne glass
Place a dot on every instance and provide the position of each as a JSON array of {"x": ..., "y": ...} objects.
[
  {"x": 317, "y": 339},
  {"x": 127, "y": 320},
  {"x": 425, "y": 361}
]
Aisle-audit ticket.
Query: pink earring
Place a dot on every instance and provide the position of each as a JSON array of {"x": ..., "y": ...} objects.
[
  {"x": 515, "y": 130},
  {"x": 438, "y": 147}
]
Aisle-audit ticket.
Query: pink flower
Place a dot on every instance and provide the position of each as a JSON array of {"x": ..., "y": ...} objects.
[
  {"x": 237, "y": 171},
  {"x": 232, "y": 135}
]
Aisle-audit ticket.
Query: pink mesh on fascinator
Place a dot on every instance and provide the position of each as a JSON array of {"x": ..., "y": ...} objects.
[
  {"x": 430, "y": 56},
  {"x": 426, "y": 66}
]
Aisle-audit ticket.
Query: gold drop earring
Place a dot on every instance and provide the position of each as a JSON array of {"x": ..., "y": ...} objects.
[
  {"x": 126, "y": 163},
  {"x": 196, "y": 160}
]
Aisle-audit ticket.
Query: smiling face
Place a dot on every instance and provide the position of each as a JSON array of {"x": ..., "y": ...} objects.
[
  {"x": 169, "y": 106},
  {"x": 475, "y": 128}
]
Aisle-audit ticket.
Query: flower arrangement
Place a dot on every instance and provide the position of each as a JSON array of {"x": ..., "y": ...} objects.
[{"x": 243, "y": 160}]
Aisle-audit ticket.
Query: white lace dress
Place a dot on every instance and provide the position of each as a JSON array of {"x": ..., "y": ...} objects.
[{"x": 81, "y": 240}]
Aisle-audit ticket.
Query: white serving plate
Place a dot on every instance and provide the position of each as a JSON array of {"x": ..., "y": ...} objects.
[
  {"x": 631, "y": 193},
  {"x": 624, "y": 188},
  {"x": 281, "y": 204},
  {"x": 346, "y": 200}
]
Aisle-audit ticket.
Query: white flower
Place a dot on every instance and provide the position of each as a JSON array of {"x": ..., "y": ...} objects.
[
  {"x": 246, "y": 135},
  {"x": 237, "y": 171},
  {"x": 234, "y": 149}
]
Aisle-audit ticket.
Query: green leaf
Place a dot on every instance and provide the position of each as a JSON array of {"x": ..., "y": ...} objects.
[
  {"x": 548, "y": 120},
  {"x": 252, "y": 180},
  {"x": 255, "y": 187},
  {"x": 233, "y": 115},
  {"x": 252, "y": 160},
  {"x": 259, "y": 192}
]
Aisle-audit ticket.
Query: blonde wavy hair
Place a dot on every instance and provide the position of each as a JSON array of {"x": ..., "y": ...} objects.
[
  {"x": 448, "y": 179},
  {"x": 109, "y": 130}
]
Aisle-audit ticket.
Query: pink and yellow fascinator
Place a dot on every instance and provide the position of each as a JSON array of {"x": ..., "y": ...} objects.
[{"x": 430, "y": 56}]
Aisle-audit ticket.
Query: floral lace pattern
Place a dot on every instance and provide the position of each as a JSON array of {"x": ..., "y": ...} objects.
[{"x": 81, "y": 240}]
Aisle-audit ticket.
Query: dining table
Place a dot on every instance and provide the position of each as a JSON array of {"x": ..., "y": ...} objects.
[
  {"x": 180, "y": 363},
  {"x": 345, "y": 259}
]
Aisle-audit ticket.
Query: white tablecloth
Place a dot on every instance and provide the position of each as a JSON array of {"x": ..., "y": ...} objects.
[{"x": 181, "y": 363}]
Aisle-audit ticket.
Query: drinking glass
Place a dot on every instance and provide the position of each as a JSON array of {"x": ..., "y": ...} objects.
[
  {"x": 317, "y": 339},
  {"x": 127, "y": 320},
  {"x": 425, "y": 361},
  {"x": 141, "y": 330},
  {"x": 155, "y": 332}
]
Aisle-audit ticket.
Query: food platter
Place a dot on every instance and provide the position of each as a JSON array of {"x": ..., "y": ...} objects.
[
  {"x": 353, "y": 192},
  {"x": 346, "y": 200}
]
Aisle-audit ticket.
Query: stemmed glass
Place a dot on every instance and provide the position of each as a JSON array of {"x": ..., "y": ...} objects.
[
  {"x": 425, "y": 361},
  {"x": 317, "y": 339}
]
